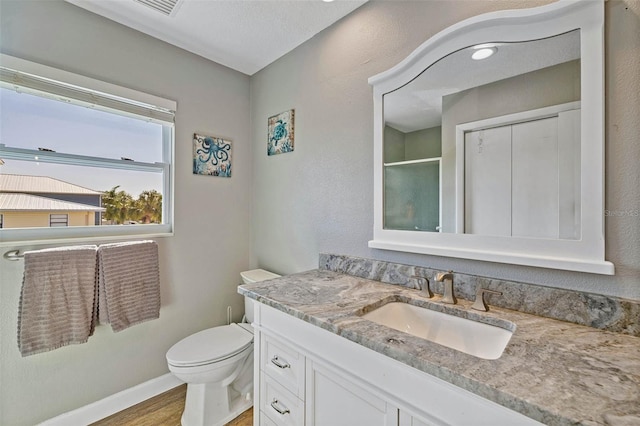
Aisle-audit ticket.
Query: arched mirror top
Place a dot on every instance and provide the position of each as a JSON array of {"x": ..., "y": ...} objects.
[
  {"x": 502, "y": 26},
  {"x": 499, "y": 159}
]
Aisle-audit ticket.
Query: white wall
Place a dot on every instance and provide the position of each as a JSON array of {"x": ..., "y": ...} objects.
[
  {"x": 320, "y": 197},
  {"x": 200, "y": 265}
]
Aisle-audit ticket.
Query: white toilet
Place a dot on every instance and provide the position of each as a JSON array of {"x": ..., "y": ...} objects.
[{"x": 217, "y": 365}]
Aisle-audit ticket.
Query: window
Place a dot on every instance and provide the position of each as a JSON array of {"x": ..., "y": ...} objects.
[
  {"x": 58, "y": 220},
  {"x": 88, "y": 155},
  {"x": 1, "y": 220}
]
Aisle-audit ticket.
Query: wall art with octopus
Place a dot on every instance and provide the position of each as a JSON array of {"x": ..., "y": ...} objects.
[
  {"x": 280, "y": 133},
  {"x": 211, "y": 156}
]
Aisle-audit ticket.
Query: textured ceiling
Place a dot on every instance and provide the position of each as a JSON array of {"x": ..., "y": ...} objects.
[{"x": 245, "y": 35}]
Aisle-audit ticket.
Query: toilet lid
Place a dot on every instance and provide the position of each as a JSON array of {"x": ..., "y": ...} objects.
[{"x": 209, "y": 345}]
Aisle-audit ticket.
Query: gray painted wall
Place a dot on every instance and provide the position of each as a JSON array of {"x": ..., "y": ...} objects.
[
  {"x": 320, "y": 197},
  {"x": 425, "y": 143},
  {"x": 394, "y": 146},
  {"x": 200, "y": 265},
  {"x": 416, "y": 145}
]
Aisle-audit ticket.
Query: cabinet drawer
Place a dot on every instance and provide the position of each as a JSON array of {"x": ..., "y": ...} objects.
[
  {"x": 283, "y": 364},
  {"x": 281, "y": 406},
  {"x": 265, "y": 420}
]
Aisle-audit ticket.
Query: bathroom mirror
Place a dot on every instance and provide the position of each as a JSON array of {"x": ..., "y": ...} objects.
[{"x": 489, "y": 141}]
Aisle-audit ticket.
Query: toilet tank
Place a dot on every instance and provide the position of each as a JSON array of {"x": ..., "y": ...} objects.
[{"x": 254, "y": 276}]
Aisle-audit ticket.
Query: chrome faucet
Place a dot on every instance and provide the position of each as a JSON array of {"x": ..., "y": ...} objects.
[
  {"x": 424, "y": 285},
  {"x": 448, "y": 296}
]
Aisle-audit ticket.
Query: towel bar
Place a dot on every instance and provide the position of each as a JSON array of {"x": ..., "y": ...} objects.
[{"x": 13, "y": 255}]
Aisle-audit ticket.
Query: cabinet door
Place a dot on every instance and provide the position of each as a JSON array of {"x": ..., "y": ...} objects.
[
  {"x": 331, "y": 400},
  {"x": 265, "y": 420},
  {"x": 406, "y": 419}
]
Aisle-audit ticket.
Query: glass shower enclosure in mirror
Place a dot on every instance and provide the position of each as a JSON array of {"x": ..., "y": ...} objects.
[
  {"x": 517, "y": 163},
  {"x": 488, "y": 141}
]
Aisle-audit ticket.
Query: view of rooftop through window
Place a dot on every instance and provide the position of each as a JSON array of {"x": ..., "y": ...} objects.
[{"x": 42, "y": 124}]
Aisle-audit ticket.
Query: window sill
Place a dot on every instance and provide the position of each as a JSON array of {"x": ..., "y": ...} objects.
[{"x": 81, "y": 234}]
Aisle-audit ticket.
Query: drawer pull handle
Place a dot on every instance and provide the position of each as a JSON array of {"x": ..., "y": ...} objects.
[
  {"x": 280, "y": 364},
  {"x": 282, "y": 411}
]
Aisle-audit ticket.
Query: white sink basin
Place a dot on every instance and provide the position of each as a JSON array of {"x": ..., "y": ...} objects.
[{"x": 468, "y": 336}]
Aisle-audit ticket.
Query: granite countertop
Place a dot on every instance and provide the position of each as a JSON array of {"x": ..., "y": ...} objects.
[{"x": 556, "y": 372}]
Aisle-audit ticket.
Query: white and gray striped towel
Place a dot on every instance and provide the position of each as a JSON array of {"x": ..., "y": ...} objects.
[
  {"x": 58, "y": 298},
  {"x": 129, "y": 283}
]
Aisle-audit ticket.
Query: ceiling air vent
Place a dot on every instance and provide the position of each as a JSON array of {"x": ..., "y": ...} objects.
[{"x": 166, "y": 7}]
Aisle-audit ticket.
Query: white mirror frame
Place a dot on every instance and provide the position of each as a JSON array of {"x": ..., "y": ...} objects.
[{"x": 586, "y": 254}]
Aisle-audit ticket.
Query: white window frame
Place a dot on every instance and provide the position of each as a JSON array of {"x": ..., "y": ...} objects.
[{"x": 85, "y": 91}]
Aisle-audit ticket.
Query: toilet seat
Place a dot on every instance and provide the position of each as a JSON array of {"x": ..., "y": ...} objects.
[{"x": 210, "y": 346}]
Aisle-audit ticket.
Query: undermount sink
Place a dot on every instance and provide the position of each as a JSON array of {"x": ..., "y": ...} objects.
[{"x": 471, "y": 337}]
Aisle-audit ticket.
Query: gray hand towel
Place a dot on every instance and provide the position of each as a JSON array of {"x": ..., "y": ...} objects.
[
  {"x": 58, "y": 298},
  {"x": 129, "y": 283}
]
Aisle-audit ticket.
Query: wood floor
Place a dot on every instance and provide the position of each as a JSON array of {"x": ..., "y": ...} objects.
[{"x": 162, "y": 410}]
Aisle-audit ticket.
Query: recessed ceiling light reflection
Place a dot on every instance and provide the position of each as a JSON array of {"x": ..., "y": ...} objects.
[{"x": 483, "y": 53}]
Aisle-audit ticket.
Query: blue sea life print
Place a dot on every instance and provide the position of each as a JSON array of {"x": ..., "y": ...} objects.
[
  {"x": 280, "y": 133},
  {"x": 211, "y": 156}
]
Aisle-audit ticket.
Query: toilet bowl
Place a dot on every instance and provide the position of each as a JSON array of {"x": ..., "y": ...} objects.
[{"x": 217, "y": 365}]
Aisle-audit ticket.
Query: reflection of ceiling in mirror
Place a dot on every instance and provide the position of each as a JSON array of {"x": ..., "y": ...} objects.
[{"x": 418, "y": 105}]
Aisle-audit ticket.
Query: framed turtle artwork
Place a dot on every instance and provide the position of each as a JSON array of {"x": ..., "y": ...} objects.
[
  {"x": 281, "y": 133},
  {"x": 211, "y": 156}
]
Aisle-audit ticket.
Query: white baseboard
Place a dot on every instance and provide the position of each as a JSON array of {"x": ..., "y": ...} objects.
[{"x": 117, "y": 402}]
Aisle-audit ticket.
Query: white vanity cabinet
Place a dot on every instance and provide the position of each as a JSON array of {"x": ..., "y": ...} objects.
[
  {"x": 335, "y": 399},
  {"x": 298, "y": 390},
  {"x": 282, "y": 379},
  {"x": 407, "y": 419},
  {"x": 309, "y": 376}
]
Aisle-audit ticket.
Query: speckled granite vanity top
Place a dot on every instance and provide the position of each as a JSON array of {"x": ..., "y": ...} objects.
[{"x": 556, "y": 372}]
